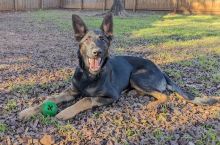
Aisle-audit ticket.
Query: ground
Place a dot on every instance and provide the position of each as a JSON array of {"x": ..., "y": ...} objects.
[{"x": 38, "y": 54}]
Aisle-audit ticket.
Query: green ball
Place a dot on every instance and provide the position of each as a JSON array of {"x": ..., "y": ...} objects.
[{"x": 49, "y": 108}]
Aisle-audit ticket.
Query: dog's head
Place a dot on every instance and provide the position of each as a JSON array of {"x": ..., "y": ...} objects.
[{"x": 93, "y": 44}]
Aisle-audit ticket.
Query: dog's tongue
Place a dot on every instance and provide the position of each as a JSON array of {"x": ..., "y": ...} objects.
[{"x": 94, "y": 64}]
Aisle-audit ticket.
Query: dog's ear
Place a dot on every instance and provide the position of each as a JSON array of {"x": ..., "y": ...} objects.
[
  {"x": 107, "y": 25},
  {"x": 79, "y": 27}
]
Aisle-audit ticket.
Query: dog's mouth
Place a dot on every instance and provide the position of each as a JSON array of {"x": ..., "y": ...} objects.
[{"x": 94, "y": 64}]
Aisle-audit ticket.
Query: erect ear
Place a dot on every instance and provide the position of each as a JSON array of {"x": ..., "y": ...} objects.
[
  {"x": 107, "y": 25},
  {"x": 79, "y": 27}
]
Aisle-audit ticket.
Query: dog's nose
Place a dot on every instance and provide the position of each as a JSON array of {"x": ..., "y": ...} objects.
[{"x": 96, "y": 52}]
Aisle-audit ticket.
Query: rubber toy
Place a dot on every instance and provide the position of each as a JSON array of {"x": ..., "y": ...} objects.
[{"x": 49, "y": 108}]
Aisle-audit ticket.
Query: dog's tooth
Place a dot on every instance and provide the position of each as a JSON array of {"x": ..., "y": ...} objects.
[{"x": 90, "y": 60}]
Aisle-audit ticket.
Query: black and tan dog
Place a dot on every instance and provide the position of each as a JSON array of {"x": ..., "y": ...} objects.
[{"x": 101, "y": 79}]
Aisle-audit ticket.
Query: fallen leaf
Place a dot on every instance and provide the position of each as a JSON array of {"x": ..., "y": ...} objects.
[{"x": 46, "y": 140}]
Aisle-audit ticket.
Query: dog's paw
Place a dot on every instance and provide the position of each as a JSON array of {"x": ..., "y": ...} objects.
[
  {"x": 64, "y": 115},
  {"x": 61, "y": 116},
  {"x": 24, "y": 115},
  {"x": 27, "y": 113}
]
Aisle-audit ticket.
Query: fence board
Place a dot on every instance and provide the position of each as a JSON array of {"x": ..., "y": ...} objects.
[
  {"x": 150, "y": 4},
  {"x": 200, "y": 6},
  {"x": 51, "y": 3},
  {"x": 74, "y": 4},
  {"x": 87, "y": 4},
  {"x": 93, "y": 4},
  {"x": 27, "y": 4},
  {"x": 109, "y": 4},
  {"x": 6, "y": 5}
]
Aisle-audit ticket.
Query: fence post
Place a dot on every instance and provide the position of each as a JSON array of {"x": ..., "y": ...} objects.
[
  {"x": 61, "y": 3},
  {"x": 104, "y": 5},
  {"x": 81, "y": 7},
  {"x": 175, "y": 5},
  {"x": 14, "y": 5},
  {"x": 135, "y": 5},
  {"x": 41, "y": 4}
]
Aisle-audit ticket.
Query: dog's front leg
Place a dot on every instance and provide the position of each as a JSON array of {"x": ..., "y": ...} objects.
[
  {"x": 82, "y": 105},
  {"x": 64, "y": 96}
]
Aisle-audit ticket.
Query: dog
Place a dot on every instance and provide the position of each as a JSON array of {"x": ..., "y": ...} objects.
[{"x": 101, "y": 79}]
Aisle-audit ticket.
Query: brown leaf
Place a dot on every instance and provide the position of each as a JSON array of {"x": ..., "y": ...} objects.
[
  {"x": 35, "y": 141},
  {"x": 46, "y": 140},
  {"x": 8, "y": 140}
]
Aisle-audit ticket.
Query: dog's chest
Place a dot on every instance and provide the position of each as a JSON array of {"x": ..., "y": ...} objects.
[
  {"x": 94, "y": 91},
  {"x": 89, "y": 87}
]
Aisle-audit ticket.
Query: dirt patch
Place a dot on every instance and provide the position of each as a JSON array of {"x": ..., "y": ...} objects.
[{"x": 37, "y": 59}]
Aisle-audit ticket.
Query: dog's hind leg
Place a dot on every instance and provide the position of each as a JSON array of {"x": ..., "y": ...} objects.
[
  {"x": 161, "y": 98},
  {"x": 65, "y": 96},
  {"x": 149, "y": 89}
]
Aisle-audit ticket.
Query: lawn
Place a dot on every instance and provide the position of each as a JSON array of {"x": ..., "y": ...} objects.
[{"x": 186, "y": 47}]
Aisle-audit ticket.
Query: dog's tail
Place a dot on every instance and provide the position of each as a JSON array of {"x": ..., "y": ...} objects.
[{"x": 189, "y": 97}]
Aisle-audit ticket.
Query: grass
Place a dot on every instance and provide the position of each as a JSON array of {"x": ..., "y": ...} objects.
[
  {"x": 156, "y": 28},
  {"x": 209, "y": 136},
  {"x": 66, "y": 130},
  {"x": 3, "y": 127},
  {"x": 25, "y": 89},
  {"x": 97, "y": 114},
  {"x": 130, "y": 133},
  {"x": 10, "y": 105},
  {"x": 158, "y": 134},
  {"x": 70, "y": 132},
  {"x": 46, "y": 120},
  {"x": 127, "y": 25},
  {"x": 161, "y": 136},
  {"x": 185, "y": 28}
]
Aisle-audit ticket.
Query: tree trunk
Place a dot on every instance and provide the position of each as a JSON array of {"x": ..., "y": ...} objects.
[{"x": 118, "y": 8}]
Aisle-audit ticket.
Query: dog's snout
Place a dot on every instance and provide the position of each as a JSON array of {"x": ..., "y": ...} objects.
[{"x": 96, "y": 52}]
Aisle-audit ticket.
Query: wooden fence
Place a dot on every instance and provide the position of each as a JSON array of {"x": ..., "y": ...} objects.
[
  {"x": 194, "y": 6},
  {"x": 28, "y": 4}
]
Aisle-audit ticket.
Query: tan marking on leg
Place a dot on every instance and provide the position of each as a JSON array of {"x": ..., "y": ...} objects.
[
  {"x": 179, "y": 96},
  {"x": 27, "y": 113},
  {"x": 82, "y": 105},
  {"x": 161, "y": 98},
  {"x": 66, "y": 95},
  {"x": 70, "y": 112}
]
